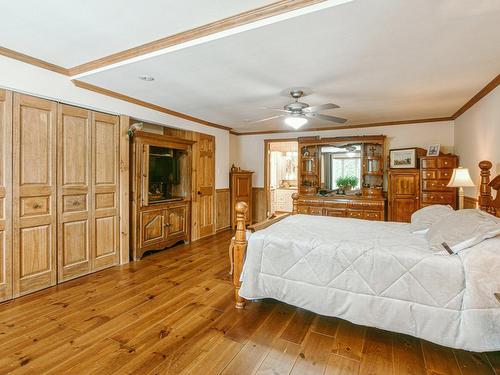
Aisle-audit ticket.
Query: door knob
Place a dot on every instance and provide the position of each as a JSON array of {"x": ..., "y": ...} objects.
[{"x": 199, "y": 193}]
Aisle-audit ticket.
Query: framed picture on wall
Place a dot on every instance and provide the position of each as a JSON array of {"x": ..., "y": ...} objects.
[
  {"x": 403, "y": 158},
  {"x": 433, "y": 150}
]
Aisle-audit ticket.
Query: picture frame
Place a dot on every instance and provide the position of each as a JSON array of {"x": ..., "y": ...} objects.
[
  {"x": 433, "y": 150},
  {"x": 402, "y": 158}
]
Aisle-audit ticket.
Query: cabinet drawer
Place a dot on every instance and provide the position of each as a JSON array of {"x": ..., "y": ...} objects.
[
  {"x": 336, "y": 204},
  {"x": 366, "y": 205},
  {"x": 303, "y": 210},
  {"x": 444, "y": 174},
  {"x": 438, "y": 198},
  {"x": 444, "y": 162},
  {"x": 435, "y": 185},
  {"x": 315, "y": 211},
  {"x": 429, "y": 174},
  {"x": 355, "y": 214},
  {"x": 335, "y": 212},
  {"x": 372, "y": 215},
  {"x": 428, "y": 163}
]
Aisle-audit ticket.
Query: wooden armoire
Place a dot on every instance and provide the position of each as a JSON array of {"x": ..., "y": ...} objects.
[
  {"x": 240, "y": 185},
  {"x": 161, "y": 219},
  {"x": 59, "y": 203}
]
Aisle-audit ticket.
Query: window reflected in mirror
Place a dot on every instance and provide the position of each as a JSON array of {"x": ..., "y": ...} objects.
[{"x": 341, "y": 167}]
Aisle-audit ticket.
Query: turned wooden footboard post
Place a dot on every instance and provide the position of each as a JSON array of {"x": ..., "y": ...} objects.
[
  {"x": 485, "y": 196},
  {"x": 239, "y": 250},
  {"x": 295, "y": 199}
]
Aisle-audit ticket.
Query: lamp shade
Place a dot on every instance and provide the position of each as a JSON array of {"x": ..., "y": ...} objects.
[{"x": 460, "y": 178}]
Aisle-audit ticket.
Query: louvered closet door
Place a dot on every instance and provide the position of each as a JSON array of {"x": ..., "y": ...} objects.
[
  {"x": 5, "y": 195},
  {"x": 73, "y": 185},
  {"x": 34, "y": 193},
  {"x": 105, "y": 173}
]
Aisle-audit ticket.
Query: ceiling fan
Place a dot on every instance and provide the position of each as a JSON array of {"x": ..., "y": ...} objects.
[{"x": 297, "y": 113}]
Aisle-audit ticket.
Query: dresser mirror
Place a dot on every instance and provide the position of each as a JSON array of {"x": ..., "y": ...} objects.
[{"x": 341, "y": 167}]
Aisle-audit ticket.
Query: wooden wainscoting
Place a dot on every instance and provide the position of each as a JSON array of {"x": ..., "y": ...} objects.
[
  {"x": 259, "y": 204},
  {"x": 470, "y": 202},
  {"x": 223, "y": 209}
]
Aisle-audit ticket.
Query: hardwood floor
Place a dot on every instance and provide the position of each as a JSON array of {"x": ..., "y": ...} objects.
[{"x": 172, "y": 313}]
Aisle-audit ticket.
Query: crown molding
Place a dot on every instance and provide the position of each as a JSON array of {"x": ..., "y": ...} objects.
[
  {"x": 343, "y": 127},
  {"x": 481, "y": 94},
  {"x": 116, "y": 95},
  {"x": 33, "y": 61},
  {"x": 240, "y": 19}
]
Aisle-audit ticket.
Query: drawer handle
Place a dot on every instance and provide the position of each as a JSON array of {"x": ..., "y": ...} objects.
[
  {"x": 441, "y": 197},
  {"x": 36, "y": 205},
  {"x": 167, "y": 225},
  {"x": 76, "y": 203}
]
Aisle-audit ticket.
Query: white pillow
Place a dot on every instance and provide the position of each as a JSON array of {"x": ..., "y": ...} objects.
[
  {"x": 461, "y": 230},
  {"x": 423, "y": 219}
]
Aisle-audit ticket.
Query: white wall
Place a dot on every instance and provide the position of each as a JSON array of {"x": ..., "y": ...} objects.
[
  {"x": 248, "y": 150},
  {"x": 22, "y": 77},
  {"x": 477, "y": 137}
]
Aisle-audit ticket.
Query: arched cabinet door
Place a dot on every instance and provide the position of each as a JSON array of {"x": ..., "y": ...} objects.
[{"x": 34, "y": 193}]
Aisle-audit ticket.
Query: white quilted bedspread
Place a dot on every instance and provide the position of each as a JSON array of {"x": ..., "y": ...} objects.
[{"x": 378, "y": 274}]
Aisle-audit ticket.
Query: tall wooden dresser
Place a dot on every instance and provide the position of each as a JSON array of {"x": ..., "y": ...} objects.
[
  {"x": 435, "y": 173},
  {"x": 403, "y": 193},
  {"x": 241, "y": 191}
]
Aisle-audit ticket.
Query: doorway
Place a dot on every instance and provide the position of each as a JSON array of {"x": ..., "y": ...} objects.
[{"x": 281, "y": 165}]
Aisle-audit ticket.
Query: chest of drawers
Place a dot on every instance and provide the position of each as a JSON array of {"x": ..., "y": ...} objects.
[{"x": 435, "y": 174}]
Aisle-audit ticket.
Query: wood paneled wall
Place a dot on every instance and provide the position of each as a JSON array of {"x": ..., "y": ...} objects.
[
  {"x": 259, "y": 204},
  {"x": 470, "y": 202},
  {"x": 223, "y": 209}
]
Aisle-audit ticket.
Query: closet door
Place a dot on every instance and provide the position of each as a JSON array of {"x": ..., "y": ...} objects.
[
  {"x": 5, "y": 195},
  {"x": 34, "y": 193},
  {"x": 105, "y": 173},
  {"x": 73, "y": 186}
]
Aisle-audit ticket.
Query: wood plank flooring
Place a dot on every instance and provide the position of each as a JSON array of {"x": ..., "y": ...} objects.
[{"x": 172, "y": 313}]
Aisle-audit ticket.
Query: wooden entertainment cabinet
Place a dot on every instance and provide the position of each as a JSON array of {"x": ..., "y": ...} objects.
[
  {"x": 367, "y": 203},
  {"x": 160, "y": 209}
]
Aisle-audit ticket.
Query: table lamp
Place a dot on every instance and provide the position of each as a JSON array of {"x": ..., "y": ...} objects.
[{"x": 460, "y": 179}]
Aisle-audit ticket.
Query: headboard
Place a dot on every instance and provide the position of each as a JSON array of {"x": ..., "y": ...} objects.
[{"x": 486, "y": 201}]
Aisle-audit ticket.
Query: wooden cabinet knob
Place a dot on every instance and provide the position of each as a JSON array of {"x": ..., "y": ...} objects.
[
  {"x": 36, "y": 205},
  {"x": 76, "y": 203}
]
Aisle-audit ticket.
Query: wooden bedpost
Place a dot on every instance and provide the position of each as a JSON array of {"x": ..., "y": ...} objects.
[
  {"x": 295, "y": 198},
  {"x": 239, "y": 250},
  {"x": 485, "y": 197}
]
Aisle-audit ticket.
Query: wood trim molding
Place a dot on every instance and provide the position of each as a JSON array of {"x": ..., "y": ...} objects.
[
  {"x": 240, "y": 19},
  {"x": 481, "y": 94},
  {"x": 33, "y": 61},
  {"x": 342, "y": 127},
  {"x": 116, "y": 95},
  {"x": 222, "y": 190}
]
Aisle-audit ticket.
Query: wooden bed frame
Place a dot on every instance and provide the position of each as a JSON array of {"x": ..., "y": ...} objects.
[{"x": 238, "y": 246}]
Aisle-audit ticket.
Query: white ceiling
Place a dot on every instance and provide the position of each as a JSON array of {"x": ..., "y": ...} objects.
[
  {"x": 73, "y": 32},
  {"x": 381, "y": 60}
]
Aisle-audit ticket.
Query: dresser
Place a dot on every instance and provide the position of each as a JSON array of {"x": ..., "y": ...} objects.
[
  {"x": 241, "y": 191},
  {"x": 403, "y": 193},
  {"x": 435, "y": 174},
  {"x": 357, "y": 207}
]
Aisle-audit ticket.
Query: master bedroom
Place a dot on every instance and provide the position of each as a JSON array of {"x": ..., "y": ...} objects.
[{"x": 250, "y": 187}]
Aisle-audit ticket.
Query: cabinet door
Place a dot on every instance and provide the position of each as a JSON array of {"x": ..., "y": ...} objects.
[
  {"x": 204, "y": 197},
  {"x": 105, "y": 173},
  {"x": 73, "y": 191},
  {"x": 403, "y": 195},
  {"x": 34, "y": 193},
  {"x": 176, "y": 221},
  {"x": 5, "y": 195},
  {"x": 403, "y": 208},
  {"x": 152, "y": 227},
  {"x": 243, "y": 193},
  {"x": 405, "y": 184}
]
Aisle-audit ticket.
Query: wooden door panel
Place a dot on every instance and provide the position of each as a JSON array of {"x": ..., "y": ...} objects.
[
  {"x": 152, "y": 227},
  {"x": 105, "y": 173},
  {"x": 5, "y": 195},
  {"x": 34, "y": 193},
  {"x": 204, "y": 195},
  {"x": 405, "y": 185},
  {"x": 73, "y": 177},
  {"x": 403, "y": 208}
]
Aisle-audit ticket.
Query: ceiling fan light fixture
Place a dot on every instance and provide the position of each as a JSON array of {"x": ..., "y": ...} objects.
[{"x": 295, "y": 122}]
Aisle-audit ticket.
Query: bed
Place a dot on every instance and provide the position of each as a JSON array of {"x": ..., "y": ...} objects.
[{"x": 377, "y": 274}]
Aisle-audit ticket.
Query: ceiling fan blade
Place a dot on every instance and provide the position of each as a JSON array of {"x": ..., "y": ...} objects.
[
  {"x": 265, "y": 119},
  {"x": 318, "y": 116},
  {"x": 274, "y": 109},
  {"x": 321, "y": 107}
]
